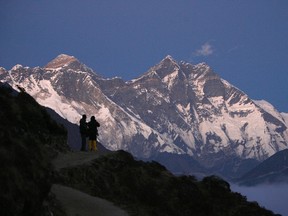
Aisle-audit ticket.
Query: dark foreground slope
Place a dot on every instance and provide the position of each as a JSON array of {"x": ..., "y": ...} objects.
[
  {"x": 147, "y": 188},
  {"x": 28, "y": 141}
]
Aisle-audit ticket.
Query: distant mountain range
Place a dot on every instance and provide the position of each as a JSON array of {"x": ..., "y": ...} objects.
[{"x": 183, "y": 115}]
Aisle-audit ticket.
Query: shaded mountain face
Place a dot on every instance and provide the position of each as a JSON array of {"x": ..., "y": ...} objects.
[
  {"x": 175, "y": 107},
  {"x": 272, "y": 170}
]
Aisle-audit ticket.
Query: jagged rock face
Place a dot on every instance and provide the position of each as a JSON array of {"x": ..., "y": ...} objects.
[
  {"x": 201, "y": 113},
  {"x": 175, "y": 107}
]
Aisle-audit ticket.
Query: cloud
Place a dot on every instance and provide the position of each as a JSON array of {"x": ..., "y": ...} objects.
[
  {"x": 205, "y": 50},
  {"x": 273, "y": 197},
  {"x": 233, "y": 49}
]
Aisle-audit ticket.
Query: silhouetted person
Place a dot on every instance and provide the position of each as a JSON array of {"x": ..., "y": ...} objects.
[
  {"x": 84, "y": 132},
  {"x": 93, "y": 133}
]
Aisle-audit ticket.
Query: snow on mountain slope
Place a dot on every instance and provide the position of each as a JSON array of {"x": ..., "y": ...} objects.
[
  {"x": 285, "y": 117},
  {"x": 269, "y": 108}
]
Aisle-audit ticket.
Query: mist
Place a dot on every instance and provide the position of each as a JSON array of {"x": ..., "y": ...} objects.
[{"x": 272, "y": 197}]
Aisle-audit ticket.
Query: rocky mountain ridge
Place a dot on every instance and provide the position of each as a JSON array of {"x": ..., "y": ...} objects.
[{"x": 175, "y": 107}]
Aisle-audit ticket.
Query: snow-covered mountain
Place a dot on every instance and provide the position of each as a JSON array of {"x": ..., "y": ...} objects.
[{"x": 175, "y": 107}]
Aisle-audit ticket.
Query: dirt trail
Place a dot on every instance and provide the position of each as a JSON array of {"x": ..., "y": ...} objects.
[
  {"x": 73, "y": 159},
  {"x": 75, "y": 202}
]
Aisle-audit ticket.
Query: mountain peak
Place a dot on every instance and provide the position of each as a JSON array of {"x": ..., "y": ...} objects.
[
  {"x": 16, "y": 67},
  {"x": 61, "y": 61},
  {"x": 67, "y": 62},
  {"x": 169, "y": 58},
  {"x": 64, "y": 56}
]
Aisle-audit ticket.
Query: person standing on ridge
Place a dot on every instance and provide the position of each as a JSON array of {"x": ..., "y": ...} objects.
[
  {"x": 83, "y": 131},
  {"x": 93, "y": 133}
]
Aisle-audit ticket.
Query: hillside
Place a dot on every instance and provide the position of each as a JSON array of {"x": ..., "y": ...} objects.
[
  {"x": 148, "y": 188},
  {"x": 29, "y": 140}
]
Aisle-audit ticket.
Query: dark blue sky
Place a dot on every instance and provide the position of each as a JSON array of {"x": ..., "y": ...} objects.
[{"x": 244, "y": 41}]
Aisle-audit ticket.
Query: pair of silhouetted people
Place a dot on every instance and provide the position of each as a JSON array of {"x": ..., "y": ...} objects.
[{"x": 89, "y": 130}]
